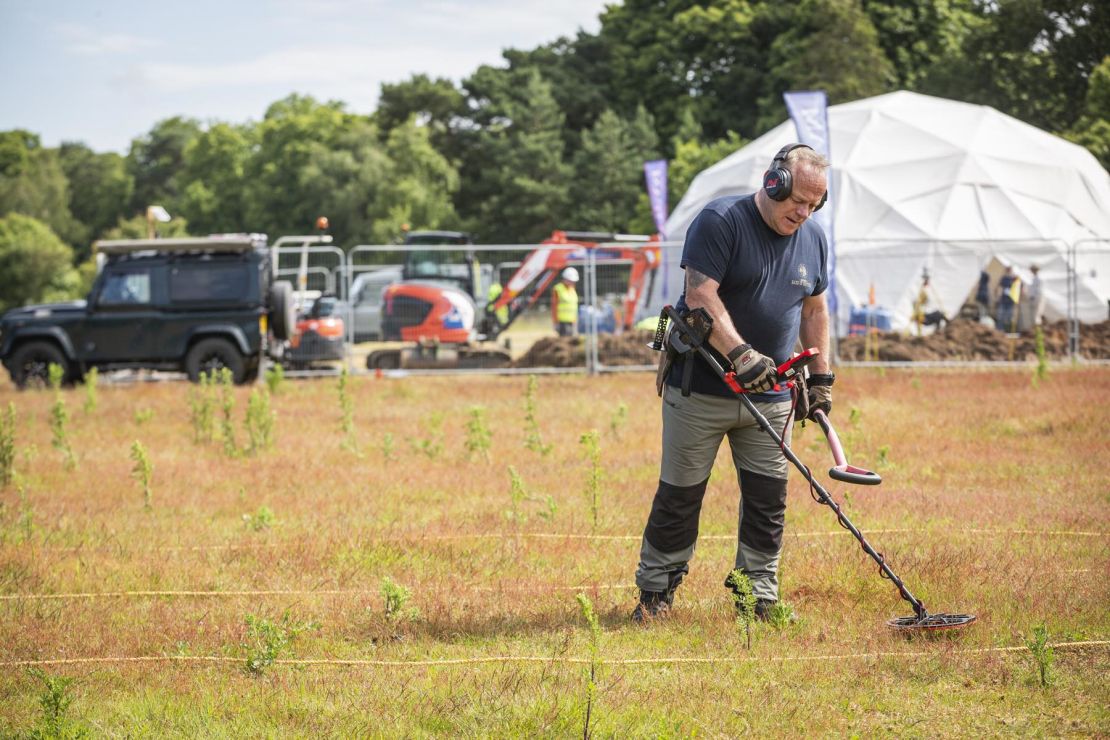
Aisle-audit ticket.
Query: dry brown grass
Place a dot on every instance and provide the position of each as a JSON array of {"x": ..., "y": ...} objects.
[{"x": 987, "y": 482}]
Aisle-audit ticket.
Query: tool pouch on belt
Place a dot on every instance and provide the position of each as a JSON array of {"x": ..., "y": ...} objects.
[
  {"x": 676, "y": 341},
  {"x": 801, "y": 398},
  {"x": 666, "y": 359}
]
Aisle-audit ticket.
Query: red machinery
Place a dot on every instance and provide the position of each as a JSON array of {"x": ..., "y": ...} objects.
[
  {"x": 542, "y": 268},
  {"x": 438, "y": 313}
]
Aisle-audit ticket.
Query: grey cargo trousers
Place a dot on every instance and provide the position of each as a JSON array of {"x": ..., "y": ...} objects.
[{"x": 693, "y": 427}]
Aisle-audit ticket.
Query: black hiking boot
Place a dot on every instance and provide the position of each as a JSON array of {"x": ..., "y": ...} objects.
[
  {"x": 653, "y": 605},
  {"x": 657, "y": 604}
]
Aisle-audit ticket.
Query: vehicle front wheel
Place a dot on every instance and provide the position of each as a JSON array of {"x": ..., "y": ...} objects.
[
  {"x": 30, "y": 364},
  {"x": 209, "y": 356}
]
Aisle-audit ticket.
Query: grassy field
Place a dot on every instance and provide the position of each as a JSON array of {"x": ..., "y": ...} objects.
[{"x": 242, "y": 594}]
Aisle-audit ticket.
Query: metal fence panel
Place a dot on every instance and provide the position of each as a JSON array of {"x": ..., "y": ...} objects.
[
  {"x": 424, "y": 307},
  {"x": 621, "y": 292},
  {"x": 882, "y": 287},
  {"x": 1089, "y": 297}
]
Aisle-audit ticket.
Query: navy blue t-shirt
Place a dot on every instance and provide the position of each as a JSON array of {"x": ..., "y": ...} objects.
[{"x": 764, "y": 278}]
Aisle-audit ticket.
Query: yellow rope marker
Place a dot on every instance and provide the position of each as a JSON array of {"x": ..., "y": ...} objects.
[
  {"x": 419, "y": 537},
  {"x": 443, "y": 662}
]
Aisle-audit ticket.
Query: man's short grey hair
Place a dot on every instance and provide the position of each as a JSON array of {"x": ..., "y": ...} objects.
[{"x": 805, "y": 155}]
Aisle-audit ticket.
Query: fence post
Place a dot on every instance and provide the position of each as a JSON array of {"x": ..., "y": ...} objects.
[
  {"x": 591, "y": 312},
  {"x": 1073, "y": 301}
]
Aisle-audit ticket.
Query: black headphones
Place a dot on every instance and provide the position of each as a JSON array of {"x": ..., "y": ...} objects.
[{"x": 778, "y": 183}]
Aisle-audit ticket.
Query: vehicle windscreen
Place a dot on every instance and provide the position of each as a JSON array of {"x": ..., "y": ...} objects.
[{"x": 323, "y": 307}]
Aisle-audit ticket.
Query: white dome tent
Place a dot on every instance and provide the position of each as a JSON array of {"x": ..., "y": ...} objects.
[{"x": 923, "y": 183}]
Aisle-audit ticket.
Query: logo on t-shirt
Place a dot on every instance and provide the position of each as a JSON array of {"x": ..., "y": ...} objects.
[{"x": 801, "y": 280}]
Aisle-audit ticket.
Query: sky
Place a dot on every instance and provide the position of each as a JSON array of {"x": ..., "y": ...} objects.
[{"x": 104, "y": 71}]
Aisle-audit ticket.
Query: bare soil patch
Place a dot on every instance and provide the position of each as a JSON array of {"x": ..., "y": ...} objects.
[{"x": 965, "y": 340}]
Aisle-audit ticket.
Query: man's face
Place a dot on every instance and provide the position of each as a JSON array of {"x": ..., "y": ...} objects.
[{"x": 787, "y": 216}]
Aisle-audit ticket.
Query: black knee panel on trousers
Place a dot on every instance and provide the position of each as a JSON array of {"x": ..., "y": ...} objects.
[
  {"x": 673, "y": 523},
  {"x": 764, "y": 511}
]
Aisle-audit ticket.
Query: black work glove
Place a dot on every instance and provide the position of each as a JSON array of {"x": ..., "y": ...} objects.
[
  {"x": 755, "y": 372},
  {"x": 820, "y": 393}
]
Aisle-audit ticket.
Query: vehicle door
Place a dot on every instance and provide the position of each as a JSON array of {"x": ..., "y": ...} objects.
[{"x": 124, "y": 314}]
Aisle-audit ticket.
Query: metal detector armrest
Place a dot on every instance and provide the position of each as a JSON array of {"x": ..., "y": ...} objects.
[{"x": 842, "y": 471}]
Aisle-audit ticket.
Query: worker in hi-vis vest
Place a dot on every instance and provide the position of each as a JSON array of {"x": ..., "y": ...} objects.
[
  {"x": 501, "y": 314},
  {"x": 564, "y": 303}
]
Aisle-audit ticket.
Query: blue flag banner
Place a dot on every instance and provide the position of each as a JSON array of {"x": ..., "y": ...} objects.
[
  {"x": 809, "y": 111},
  {"x": 655, "y": 172}
]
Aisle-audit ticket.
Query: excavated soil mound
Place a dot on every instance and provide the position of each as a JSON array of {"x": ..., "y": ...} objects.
[
  {"x": 960, "y": 340},
  {"x": 629, "y": 348},
  {"x": 964, "y": 340}
]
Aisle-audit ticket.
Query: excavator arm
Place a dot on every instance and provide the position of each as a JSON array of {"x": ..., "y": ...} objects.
[{"x": 541, "y": 269}]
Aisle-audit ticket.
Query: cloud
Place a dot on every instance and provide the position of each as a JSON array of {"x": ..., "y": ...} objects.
[
  {"x": 290, "y": 66},
  {"x": 86, "y": 41}
]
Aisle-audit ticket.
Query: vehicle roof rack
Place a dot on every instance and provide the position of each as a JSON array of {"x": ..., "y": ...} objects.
[{"x": 213, "y": 243}]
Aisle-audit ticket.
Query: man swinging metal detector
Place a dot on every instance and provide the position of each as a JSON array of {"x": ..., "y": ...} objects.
[
  {"x": 755, "y": 282},
  {"x": 757, "y": 267},
  {"x": 687, "y": 335}
]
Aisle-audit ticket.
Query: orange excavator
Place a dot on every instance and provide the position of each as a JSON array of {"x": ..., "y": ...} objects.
[
  {"x": 439, "y": 314},
  {"x": 562, "y": 249}
]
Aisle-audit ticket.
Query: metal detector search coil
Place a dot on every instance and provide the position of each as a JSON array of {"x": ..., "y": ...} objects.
[{"x": 931, "y": 622}]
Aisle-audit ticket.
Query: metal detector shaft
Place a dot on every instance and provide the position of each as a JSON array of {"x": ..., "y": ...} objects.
[
  {"x": 698, "y": 343},
  {"x": 827, "y": 500}
]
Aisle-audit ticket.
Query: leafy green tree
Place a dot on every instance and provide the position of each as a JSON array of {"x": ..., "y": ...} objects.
[
  {"x": 155, "y": 162},
  {"x": 99, "y": 190},
  {"x": 35, "y": 263},
  {"x": 1092, "y": 130},
  {"x": 418, "y": 187},
  {"x": 710, "y": 58},
  {"x": 340, "y": 180},
  {"x": 651, "y": 63},
  {"x": 609, "y": 175},
  {"x": 436, "y": 104},
  {"x": 33, "y": 183},
  {"x": 832, "y": 46},
  {"x": 915, "y": 36},
  {"x": 521, "y": 166},
  {"x": 578, "y": 71},
  {"x": 1028, "y": 58},
  {"x": 213, "y": 179},
  {"x": 15, "y": 151},
  {"x": 312, "y": 159}
]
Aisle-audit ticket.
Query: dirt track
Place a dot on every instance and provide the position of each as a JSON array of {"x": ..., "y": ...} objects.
[{"x": 960, "y": 340}]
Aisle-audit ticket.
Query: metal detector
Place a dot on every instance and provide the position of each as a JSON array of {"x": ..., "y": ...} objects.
[{"x": 690, "y": 333}]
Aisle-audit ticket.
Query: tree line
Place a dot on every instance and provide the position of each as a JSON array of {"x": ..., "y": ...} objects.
[{"x": 553, "y": 137}]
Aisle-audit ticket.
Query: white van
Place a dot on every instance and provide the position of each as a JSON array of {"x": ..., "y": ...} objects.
[{"x": 366, "y": 297}]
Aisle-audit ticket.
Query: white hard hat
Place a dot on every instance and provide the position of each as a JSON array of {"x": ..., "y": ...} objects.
[{"x": 570, "y": 274}]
